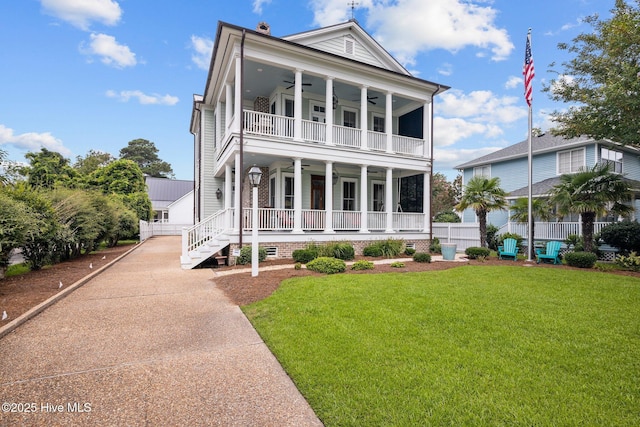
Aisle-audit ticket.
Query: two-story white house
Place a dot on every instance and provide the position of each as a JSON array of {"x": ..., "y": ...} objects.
[{"x": 339, "y": 129}]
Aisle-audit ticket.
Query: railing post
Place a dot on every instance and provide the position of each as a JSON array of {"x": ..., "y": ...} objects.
[{"x": 185, "y": 242}]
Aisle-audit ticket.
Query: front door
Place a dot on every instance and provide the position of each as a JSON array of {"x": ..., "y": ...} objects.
[{"x": 317, "y": 192}]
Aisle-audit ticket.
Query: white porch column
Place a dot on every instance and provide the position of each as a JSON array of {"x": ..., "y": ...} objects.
[
  {"x": 236, "y": 196},
  {"x": 364, "y": 117},
  {"x": 426, "y": 202},
  {"x": 388, "y": 121},
  {"x": 219, "y": 131},
  {"x": 228, "y": 110},
  {"x": 297, "y": 107},
  {"x": 328, "y": 106},
  {"x": 426, "y": 128},
  {"x": 388, "y": 200},
  {"x": 364, "y": 207},
  {"x": 228, "y": 185},
  {"x": 237, "y": 98},
  {"x": 328, "y": 197},
  {"x": 297, "y": 195}
]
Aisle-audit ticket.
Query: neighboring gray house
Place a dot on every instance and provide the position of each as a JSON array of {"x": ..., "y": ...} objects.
[
  {"x": 552, "y": 156},
  {"x": 171, "y": 200}
]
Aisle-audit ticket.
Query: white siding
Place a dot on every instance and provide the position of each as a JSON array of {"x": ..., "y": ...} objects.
[
  {"x": 336, "y": 46},
  {"x": 209, "y": 183}
]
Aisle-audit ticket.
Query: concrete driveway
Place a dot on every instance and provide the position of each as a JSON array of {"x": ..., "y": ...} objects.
[{"x": 145, "y": 343}]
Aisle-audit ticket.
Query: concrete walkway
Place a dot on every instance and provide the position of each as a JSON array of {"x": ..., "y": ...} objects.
[{"x": 145, "y": 343}]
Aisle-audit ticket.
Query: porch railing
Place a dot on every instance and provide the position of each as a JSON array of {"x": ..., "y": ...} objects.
[
  {"x": 265, "y": 124},
  {"x": 208, "y": 229},
  {"x": 408, "y": 221}
]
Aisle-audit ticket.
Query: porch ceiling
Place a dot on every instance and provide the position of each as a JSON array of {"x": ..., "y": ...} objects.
[{"x": 261, "y": 79}]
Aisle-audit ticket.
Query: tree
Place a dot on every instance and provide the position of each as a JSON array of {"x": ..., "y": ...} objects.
[
  {"x": 483, "y": 195},
  {"x": 15, "y": 225},
  {"x": 540, "y": 208},
  {"x": 602, "y": 80},
  {"x": 591, "y": 192},
  {"x": 443, "y": 195},
  {"x": 145, "y": 154},
  {"x": 49, "y": 169},
  {"x": 92, "y": 161}
]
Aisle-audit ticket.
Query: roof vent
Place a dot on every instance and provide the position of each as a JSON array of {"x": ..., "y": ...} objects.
[{"x": 264, "y": 28}]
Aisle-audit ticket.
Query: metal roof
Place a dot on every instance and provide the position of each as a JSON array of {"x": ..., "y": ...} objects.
[{"x": 167, "y": 190}]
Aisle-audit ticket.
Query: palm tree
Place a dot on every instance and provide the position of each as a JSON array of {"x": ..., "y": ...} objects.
[
  {"x": 591, "y": 193},
  {"x": 540, "y": 208},
  {"x": 483, "y": 195}
]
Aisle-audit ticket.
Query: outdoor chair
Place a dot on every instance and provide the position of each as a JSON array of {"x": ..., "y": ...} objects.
[
  {"x": 551, "y": 252},
  {"x": 509, "y": 249}
]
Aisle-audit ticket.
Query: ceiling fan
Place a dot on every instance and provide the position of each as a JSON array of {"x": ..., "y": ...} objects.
[
  {"x": 370, "y": 99},
  {"x": 294, "y": 83}
]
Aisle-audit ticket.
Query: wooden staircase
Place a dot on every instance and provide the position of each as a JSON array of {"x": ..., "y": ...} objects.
[{"x": 205, "y": 239}]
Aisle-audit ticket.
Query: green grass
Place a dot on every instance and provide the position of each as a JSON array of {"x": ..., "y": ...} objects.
[
  {"x": 17, "y": 269},
  {"x": 467, "y": 346}
]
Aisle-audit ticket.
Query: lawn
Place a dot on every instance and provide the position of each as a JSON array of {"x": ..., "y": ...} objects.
[{"x": 475, "y": 345}]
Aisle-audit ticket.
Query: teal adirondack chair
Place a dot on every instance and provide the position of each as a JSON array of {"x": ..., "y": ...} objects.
[
  {"x": 509, "y": 249},
  {"x": 551, "y": 252}
]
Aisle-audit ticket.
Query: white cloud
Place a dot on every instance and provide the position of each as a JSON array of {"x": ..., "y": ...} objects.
[
  {"x": 257, "y": 5},
  {"x": 562, "y": 81},
  {"x": 144, "y": 99},
  {"x": 445, "y": 69},
  {"x": 111, "y": 53},
  {"x": 407, "y": 27},
  {"x": 202, "y": 48},
  {"x": 80, "y": 13},
  {"x": 513, "y": 82},
  {"x": 480, "y": 106},
  {"x": 32, "y": 141},
  {"x": 449, "y": 158}
]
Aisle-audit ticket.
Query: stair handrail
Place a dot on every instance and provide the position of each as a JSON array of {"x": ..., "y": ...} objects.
[{"x": 207, "y": 229}]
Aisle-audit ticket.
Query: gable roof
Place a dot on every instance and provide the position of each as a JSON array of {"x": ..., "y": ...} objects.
[
  {"x": 539, "y": 144},
  {"x": 164, "y": 191},
  {"x": 328, "y": 38},
  {"x": 543, "y": 188}
]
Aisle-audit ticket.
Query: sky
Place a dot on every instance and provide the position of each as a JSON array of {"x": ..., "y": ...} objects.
[{"x": 80, "y": 75}]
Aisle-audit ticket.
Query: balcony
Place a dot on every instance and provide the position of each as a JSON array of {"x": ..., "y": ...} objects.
[{"x": 281, "y": 127}]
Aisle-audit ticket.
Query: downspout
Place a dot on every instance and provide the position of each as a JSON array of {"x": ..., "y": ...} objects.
[
  {"x": 433, "y": 95},
  {"x": 241, "y": 118}
]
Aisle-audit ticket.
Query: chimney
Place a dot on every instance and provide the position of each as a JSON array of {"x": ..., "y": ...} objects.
[{"x": 264, "y": 28}]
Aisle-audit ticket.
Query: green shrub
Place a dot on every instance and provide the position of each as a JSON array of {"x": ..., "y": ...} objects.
[
  {"x": 245, "y": 255},
  {"x": 373, "y": 249},
  {"x": 362, "y": 265},
  {"x": 340, "y": 250},
  {"x": 304, "y": 255},
  {"x": 421, "y": 257},
  {"x": 327, "y": 265},
  {"x": 624, "y": 235},
  {"x": 409, "y": 251},
  {"x": 630, "y": 262},
  {"x": 492, "y": 239},
  {"x": 475, "y": 252},
  {"x": 581, "y": 259},
  {"x": 397, "y": 264},
  {"x": 434, "y": 246},
  {"x": 391, "y": 247},
  {"x": 516, "y": 236},
  {"x": 446, "y": 217},
  {"x": 297, "y": 266}
]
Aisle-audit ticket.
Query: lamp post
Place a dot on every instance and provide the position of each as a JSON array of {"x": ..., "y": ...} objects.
[{"x": 255, "y": 174}]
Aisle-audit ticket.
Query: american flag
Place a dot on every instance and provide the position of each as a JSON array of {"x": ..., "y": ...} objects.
[{"x": 528, "y": 71}]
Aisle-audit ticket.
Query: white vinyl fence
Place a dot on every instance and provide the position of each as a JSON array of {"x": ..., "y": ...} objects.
[
  {"x": 463, "y": 235},
  {"x": 150, "y": 229}
]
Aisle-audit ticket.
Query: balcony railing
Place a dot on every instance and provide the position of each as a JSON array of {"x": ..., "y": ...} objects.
[
  {"x": 550, "y": 230},
  {"x": 271, "y": 125}
]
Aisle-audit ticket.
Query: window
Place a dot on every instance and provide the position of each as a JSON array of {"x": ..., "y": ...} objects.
[
  {"x": 612, "y": 158},
  {"x": 288, "y": 107},
  {"x": 349, "y": 118},
  {"x": 318, "y": 113},
  {"x": 378, "y": 124},
  {"x": 482, "y": 171},
  {"x": 378, "y": 197},
  {"x": 570, "y": 161},
  {"x": 348, "y": 195},
  {"x": 288, "y": 192},
  {"x": 272, "y": 192}
]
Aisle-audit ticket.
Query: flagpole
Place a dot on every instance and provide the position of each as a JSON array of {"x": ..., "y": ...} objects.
[
  {"x": 530, "y": 194},
  {"x": 529, "y": 73}
]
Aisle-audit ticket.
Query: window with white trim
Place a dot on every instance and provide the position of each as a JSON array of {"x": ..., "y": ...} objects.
[
  {"x": 348, "y": 195},
  {"x": 612, "y": 158},
  {"x": 571, "y": 161},
  {"x": 482, "y": 171},
  {"x": 288, "y": 192},
  {"x": 349, "y": 118},
  {"x": 378, "y": 124}
]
